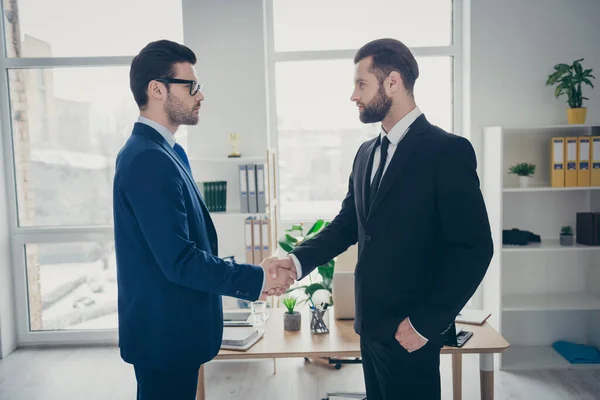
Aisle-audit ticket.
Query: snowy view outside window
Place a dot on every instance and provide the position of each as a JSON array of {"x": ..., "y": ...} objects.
[{"x": 68, "y": 123}]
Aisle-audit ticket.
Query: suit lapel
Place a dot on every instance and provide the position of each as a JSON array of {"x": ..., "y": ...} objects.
[
  {"x": 151, "y": 134},
  {"x": 366, "y": 180},
  {"x": 406, "y": 148}
]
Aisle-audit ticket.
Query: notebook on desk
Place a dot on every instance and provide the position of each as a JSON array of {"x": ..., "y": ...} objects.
[
  {"x": 240, "y": 338},
  {"x": 472, "y": 316}
]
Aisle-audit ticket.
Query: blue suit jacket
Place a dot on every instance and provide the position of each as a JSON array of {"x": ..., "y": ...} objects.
[{"x": 170, "y": 280}]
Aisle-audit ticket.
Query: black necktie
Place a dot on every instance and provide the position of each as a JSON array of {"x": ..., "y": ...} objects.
[
  {"x": 377, "y": 179},
  {"x": 181, "y": 153}
]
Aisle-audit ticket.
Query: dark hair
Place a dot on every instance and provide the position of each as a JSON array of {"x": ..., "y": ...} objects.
[
  {"x": 154, "y": 61},
  {"x": 390, "y": 55}
]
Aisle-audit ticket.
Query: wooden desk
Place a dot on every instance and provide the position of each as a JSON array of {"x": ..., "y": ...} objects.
[{"x": 342, "y": 341}]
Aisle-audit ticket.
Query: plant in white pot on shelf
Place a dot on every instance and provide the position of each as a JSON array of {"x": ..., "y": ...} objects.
[
  {"x": 566, "y": 236},
  {"x": 524, "y": 171},
  {"x": 291, "y": 319},
  {"x": 569, "y": 79}
]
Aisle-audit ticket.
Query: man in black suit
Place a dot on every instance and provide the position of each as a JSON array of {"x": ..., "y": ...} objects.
[{"x": 415, "y": 208}]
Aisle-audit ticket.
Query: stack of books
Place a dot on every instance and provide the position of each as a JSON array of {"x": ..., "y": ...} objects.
[{"x": 215, "y": 195}]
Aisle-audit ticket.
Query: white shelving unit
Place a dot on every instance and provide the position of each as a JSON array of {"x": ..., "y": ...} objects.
[
  {"x": 230, "y": 223},
  {"x": 543, "y": 292}
]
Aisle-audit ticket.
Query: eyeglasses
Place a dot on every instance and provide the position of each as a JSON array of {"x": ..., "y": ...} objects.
[{"x": 195, "y": 87}]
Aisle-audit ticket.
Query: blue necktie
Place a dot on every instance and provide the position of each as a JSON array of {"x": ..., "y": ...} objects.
[{"x": 181, "y": 153}]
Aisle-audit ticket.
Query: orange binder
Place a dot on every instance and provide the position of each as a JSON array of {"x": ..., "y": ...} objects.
[
  {"x": 571, "y": 161},
  {"x": 595, "y": 161},
  {"x": 583, "y": 161},
  {"x": 557, "y": 164}
]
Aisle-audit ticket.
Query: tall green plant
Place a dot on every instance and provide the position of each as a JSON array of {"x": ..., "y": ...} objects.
[
  {"x": 569, "y": 79},
  {"x": 288, "y": 242}
]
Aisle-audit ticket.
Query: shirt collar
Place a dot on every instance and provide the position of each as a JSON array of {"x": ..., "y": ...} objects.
[
  {"x": 399, "y": 130},
  {"x": 164, "y": 132}
]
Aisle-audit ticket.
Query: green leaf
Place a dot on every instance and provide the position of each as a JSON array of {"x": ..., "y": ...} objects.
[
  {"x": 561, "y": 67},
  {"x": 286, "y": 246},
  {"x": 291, "y": 239},
  {"x": 295, "y": 228},
  {"x": 313, "y": 288},
  {"x": 588, "y": 82},
  {"x": 290, "y": 290},
  {"x": 316, "y": 227}
]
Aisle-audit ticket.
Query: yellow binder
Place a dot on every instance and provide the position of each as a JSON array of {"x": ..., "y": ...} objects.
[
  {"x": 595, "y": 160},
  {"x": 571, "y": 161},
  {"x": 583, "y": 161},
  {"x": 557, "y": 164}
]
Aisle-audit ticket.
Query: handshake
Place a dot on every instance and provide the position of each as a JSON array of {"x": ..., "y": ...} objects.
[{"x": 280, "y": 273}]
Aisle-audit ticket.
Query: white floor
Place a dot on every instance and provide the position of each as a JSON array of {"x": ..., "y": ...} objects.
[{"x": 98, "y": 373}]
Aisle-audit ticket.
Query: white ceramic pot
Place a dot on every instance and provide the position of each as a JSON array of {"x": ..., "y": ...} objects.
[{"x": 523, "y": 181}]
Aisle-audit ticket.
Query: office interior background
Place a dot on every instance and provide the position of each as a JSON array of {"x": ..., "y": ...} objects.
[{"x": 279, "y": 73}]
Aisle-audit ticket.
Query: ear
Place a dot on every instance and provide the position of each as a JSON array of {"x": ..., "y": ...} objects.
[
  {"x": 394, "y": 82},
  {"x": 156, "y": 90}
]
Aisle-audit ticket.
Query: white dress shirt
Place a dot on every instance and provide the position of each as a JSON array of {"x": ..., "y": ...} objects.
[
  {"x": 164, "y": 132},
  {"x": 395, "y": 135},
  {"x": 170, "y": 138}
]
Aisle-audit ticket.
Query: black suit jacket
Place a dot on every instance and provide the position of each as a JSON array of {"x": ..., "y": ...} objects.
[{"x": 424, "y": 246}]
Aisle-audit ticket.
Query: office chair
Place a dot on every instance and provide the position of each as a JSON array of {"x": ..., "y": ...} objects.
[{"x": 345, "y": 395}]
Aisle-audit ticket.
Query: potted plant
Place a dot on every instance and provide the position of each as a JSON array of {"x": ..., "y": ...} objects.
[
  {"x": 524, "y": 171},
  {"x": 569, "y": 79},
  {"x": 566, "y": 236},
  {"x": 291, "y": 318},
  {"x": 288, "y": 242}
]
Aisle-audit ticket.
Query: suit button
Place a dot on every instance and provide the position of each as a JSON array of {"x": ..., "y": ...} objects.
[{"x": 368, "y": 238}]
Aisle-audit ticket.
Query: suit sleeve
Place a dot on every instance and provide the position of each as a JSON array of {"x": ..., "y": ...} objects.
[
  {"x": 467, "y": 241},
  {"x": 334, "y": 239},
  {"x": 153, "y": 188}
]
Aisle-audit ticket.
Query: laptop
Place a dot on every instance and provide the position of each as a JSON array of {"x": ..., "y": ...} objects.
[
  {"x": 343, "y": 294},
  {"x": 237, "y": 317}
]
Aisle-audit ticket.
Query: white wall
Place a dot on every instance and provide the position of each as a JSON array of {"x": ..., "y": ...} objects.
[
  {"x": 227, "y": 37},
  {"x": 514, "y": 47}
]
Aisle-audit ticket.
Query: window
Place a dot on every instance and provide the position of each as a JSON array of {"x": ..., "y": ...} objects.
[
  {"x": 317, "y": 127},
  {"x": 70, "y": 111},
  {"x": 420, "y": 23},
  {"x": 89, "y": 28}
]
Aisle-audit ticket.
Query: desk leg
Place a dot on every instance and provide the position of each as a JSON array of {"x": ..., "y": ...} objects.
[
  {"x": 486, "y": 376},
  {"x": 457, "y": 376},
  {"x": 200, "y": 395}
]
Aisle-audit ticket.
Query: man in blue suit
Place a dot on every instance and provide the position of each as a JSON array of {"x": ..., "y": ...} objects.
[{"x": 170, "y": 279}]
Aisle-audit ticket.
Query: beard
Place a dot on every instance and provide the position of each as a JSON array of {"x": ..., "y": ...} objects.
[
  {"x": 377, "y": 108},
  {"x": 178, "y": 113}
]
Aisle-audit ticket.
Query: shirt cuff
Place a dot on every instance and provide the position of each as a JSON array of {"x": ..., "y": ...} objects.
[
  {"x": 297, "y": 264},
  {"x": 411, "y": 325}
]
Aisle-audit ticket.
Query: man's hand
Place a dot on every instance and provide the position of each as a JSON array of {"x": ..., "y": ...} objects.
[
  {"x": 280, "y": 266},
  {"x": 278, "y": 277},
  {"x": 408, "y": 337}
]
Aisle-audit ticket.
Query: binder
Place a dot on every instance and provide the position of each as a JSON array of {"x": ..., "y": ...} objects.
[
  {"x": 595, "y": 161},
  {"x": 583, "y": 161},
  {"x": 251, "y": 189},
  {"x": 571, "y": 162},
  {"x": 248, "y": 240},
  {"x": 260, "y": 188},
  {"x": 256, "y": 228},
  {"x": 264, "y": 239},
  {"x": 243, "y": 189},
  {"x": 557, "y": 164}
]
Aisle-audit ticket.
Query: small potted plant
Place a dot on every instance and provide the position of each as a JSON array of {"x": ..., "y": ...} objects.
[
  {"x": 569, "y": 79},
  {"x": 566, "y": 236},
  {"x": 524, "y": 171},
  {"x": 291, "y": 319}
]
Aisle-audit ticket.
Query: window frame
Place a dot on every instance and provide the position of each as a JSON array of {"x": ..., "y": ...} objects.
[
  {"x": 22, "y": 236},
  {"x": 454, "y": 50}
]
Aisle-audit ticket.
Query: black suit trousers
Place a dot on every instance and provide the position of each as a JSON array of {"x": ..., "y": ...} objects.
[
  {"x": 172, "y": 384},
  {"x": 392, "y": 373}
]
